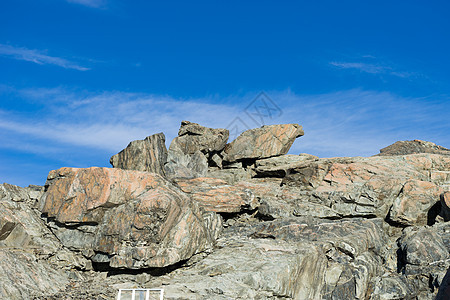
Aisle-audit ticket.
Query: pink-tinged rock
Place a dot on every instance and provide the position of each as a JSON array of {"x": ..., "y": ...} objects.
[
  {"x": 369, "y": 186},
  {"x": 412, "y": 205},
  {"x": 216, "y": 195},
  {"x": 267, "y": 141},
  {"x": 131, "y": 219}
]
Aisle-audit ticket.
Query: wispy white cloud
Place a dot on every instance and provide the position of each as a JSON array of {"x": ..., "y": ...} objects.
[
  {"x": 346, "y": 123},
  {"x": 38, "y": 57},
  {"x": 90, "y": 3},
  {"x": 374, "y": 68},
  {"x": 363, "y": 67}
]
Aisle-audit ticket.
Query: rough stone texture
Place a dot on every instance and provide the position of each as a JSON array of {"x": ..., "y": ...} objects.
[
  {"x": 232, "y": 175},
  {"x": 217, "y": 196},
  {"x": 148, "y": 155},
  {"x": 22, "y": 276},
  {"x": 369, "y": 186},
  {"x": 267, "y": 141},
  {"x": 194, "y": 149},
  {"x": 294, "y": 259},
  {"x": 413, "y": 147},
  {"x": 282, "y": 227},
  {"x": 280, "y": 166},
  {"x": 130, "y": 219},
  {"x": 445, "y": 206},
  {"x": 193, "y": 137},
  {"x": 415, "y": 200},
  {"x": 32, "y": 260},
  {"x": 180, "y": 165}
]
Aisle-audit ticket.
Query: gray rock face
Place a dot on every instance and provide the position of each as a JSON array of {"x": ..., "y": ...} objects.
[
  {"x": 297, "y": 258},
  {"x": 193, "y": 137},
  {"x": 32, "y": 260},
  {"x": 261, "y": 225},
  {"x": 413, "y": 147},
  {"x": 194, "y": 149},
  {"x": 148, "y": 155},
  {"x": 267, "y": 141}
]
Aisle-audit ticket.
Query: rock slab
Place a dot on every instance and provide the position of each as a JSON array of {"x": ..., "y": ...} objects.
[{"x": 148, "y": 155}]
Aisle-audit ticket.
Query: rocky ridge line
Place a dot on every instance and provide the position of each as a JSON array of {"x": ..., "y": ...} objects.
[{"x": 243, "y": 220}]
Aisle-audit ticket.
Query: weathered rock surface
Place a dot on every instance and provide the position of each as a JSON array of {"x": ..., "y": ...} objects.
[
  {"x": 217, "y": 196},
  {"x": 294, "y": 259},
  {"x": 193, "y": 137},
  {"x": 23, "y": 276},
  {"x": 32, "y": 260},
  {"x": 242, "y": 221},
  {"x": 181, "y": 165},
  {"x": 148, "y": 155},
  {"x": 130, "y": 219},
  {"x": 264, "y": 142},
  {"x": 369, "y": 186},
  {"x": 194, "y": 149},
  {"x": 413, "y": 147}
]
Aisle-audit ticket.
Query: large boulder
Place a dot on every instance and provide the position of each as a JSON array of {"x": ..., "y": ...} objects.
[
  {"x": 217, "y": 196},
  {"x": 148, "y": 155},
  {"x": 263, "y": 142},
  {"x": 193, "y": 137},
  {"x": 194, "y": 149},
  {"x": 129, "y": 219},
  {"x": 413, "y": 147},
  {"x": 413, "y": 203}
]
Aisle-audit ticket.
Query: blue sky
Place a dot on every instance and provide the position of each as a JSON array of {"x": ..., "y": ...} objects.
[{"x": 80, "y": 79}]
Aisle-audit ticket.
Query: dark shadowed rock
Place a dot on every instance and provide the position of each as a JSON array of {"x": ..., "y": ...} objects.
[
  {"x": 130, "y": 219},
  {"x": 148, "y": 155},
  {"x": 267, "y": 141},
  {"x": 413, "y": 147}
]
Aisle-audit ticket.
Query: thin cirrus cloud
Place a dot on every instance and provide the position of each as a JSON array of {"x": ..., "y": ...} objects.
[
  {"x": 38, "y": 57},
  {"x": 90, "y": 3},
  {"x": 350, "y": 122},
  {"x": 371, "y": 68}
]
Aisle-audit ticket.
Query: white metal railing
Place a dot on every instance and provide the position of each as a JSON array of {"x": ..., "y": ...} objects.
[{"x": 147, "y": 293}]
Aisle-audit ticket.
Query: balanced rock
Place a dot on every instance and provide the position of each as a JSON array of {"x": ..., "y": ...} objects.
[
  {"x": 193, "y": 137},
  {"x": 263, "y": 142},
  {"x": 148, "y": 155},
  {"x": 194, "y": 149},
  {"x": 130, "y": 219},
  {"x": 413, "y": 147}
]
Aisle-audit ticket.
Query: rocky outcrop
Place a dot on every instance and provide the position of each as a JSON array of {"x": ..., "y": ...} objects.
[
  {"x": 236, "y": 221},
  {"x": 32, "y": 260},
  {"x": 217, "y": 196},
  {"x": 295, "y": 259},
  {"x": 148, "y": 155},
  {"x": 194, "y": 149},
  {"x": 370, "y": 186},
  {"x": 264, "y": 142},
  {"x": 128, "y": 219},
  {"x": 413, "y": 147}
]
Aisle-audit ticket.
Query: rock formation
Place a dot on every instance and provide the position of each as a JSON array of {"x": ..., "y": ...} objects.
[
  {"x": 413, "y": 147},
  {"x": 242, "y": 220},
  {"x": 147, "y": 155},
  {"x": 129, "y": 219}
]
